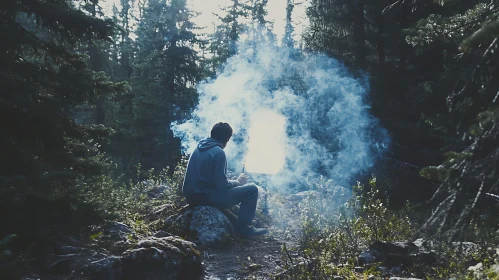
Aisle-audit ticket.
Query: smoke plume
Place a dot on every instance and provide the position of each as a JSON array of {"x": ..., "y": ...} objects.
[{"x": 295, "y": 115}]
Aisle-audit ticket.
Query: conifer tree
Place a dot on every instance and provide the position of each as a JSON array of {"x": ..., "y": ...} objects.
[
  {"x": 288, "y": 40},
  {"x": 223, "y": 41},
  {"x": 44, "y": 152},
  {"x": 166, "y": 72}
]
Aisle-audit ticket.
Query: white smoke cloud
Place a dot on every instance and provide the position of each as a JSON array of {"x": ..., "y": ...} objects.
[
  {"x": 327, "y": 127},
  {"x": 266, "y": 151}
]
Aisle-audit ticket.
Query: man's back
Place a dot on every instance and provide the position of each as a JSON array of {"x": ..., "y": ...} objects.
[
  {"x": 206, "y": 170},
  {"x": 206, "y": 182}
]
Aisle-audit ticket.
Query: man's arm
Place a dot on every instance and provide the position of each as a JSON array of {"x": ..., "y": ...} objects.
[{"x": 221, "y": 181}]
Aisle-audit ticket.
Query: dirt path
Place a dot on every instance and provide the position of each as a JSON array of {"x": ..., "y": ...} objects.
[
  {"x": 257, "y": 258},
  {"x": 245, "y": 259}
]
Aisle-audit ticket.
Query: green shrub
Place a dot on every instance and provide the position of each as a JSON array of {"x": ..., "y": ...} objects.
[
  {"x": 336, "y": 233},
  {"x": 129, "y": 201}
]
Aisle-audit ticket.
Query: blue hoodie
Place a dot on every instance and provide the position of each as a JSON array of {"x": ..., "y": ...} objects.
[{"x": 207, "y": 170}]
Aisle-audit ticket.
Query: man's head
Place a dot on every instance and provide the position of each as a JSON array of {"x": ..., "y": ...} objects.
[{"x": 222, "y": 132}]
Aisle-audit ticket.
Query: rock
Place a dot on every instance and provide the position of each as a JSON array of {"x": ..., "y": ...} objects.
[
  {"x": 162, "y": 233},
  {"x": 394, "y": 260},
  {"x": 66, "y": 264},
  {"x": 395, "y": 254},
  {"x": 166, "y": 258},
  {"x": 476, "y": 270},
  {"x": 117, "y": 227},
  {"x": 426, "y": 257},
  {"x": 426, "y": 245},
  {"x": 367, "y": 257},
  {"x": 390, "y": 253},
  {"x": 466, "y": 249},
  {"x": 162, "y": 258},
  {"x": 107, "y": 268},
  {"x": 394, "y": 248},
  {"x": 403, "y": 278},
  {"x": 204, "y": 225},
  {"x": 116, "y": 231},
  {"x": 359, "y": 269},
  {"x": 209, "y": 226}
]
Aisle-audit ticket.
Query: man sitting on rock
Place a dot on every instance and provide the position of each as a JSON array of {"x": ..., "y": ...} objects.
[{"x": 206, "y": 183}]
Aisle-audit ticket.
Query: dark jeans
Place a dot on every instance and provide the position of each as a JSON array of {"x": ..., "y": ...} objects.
[{"x": 246, "y": 196}]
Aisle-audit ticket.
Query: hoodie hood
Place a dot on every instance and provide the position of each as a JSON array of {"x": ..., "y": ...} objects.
[{"x": 209, "y": 143}]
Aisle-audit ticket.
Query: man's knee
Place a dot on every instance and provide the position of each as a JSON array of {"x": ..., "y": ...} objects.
[{"x": 252, "y": 189}]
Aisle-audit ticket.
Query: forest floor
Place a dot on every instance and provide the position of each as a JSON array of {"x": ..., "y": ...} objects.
[
  {"x": 255, "y": 258},
  {"x": 259, "y": 257}
]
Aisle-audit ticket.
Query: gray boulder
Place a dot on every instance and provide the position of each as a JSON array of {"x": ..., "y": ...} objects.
[
  {"x": 162, "y": 258},
  {"x": 119, "y": 228},
  {"x": 166, "y": 258},
  {"x": 404, "y": 278},
  {"x": 209, "y": 226},
  {"x": 162, "y": 233},
  {"x": 466, "y": 248},
  {"x": 367, "y": 257},
  {"x": 390, "y": 253},
  {"x": 107, "y": 268},
  {"x": 203, "y": 225}
]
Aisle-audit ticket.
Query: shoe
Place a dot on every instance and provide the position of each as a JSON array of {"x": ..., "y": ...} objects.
[{"x": 251, "y": 231}]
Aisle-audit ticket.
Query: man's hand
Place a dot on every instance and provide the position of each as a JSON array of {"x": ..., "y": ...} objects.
[{"x": 242, "y": 179}]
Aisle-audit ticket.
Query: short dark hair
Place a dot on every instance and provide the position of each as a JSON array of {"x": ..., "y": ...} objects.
[{"x": 222, "y": 132}]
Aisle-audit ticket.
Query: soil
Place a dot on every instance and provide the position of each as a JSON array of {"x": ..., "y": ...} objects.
[
  {"x": 256, "y": 258},
  {"x": 246, "y": 259},
  {"x": 259, "y": 257}
]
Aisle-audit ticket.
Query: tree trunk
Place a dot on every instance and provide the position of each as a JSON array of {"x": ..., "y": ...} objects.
[
  {"x": 380, "y": 45},
  {"x": 96, "y": 64},
  {"x": 403, "y": 45},
  {"x": 359, "y": 34}
]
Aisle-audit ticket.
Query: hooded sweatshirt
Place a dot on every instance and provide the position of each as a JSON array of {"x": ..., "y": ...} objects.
[{"x": 207, "y": 170}]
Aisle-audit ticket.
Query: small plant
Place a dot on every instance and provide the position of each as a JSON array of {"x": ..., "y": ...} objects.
[
  {"x": 335, "y": 232},
  {"x": 131, "y": 202}
]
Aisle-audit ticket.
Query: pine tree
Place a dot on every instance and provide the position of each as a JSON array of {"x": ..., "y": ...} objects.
[
  {"x": 223, "y": 42},
  {"x": 470, "y": 165},
  {"x": 164, "y": 81},
  {"x": 44, "y": 152},
  {"x": 288, "y": 40}
]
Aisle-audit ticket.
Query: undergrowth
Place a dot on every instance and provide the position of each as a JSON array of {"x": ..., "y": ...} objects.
[
  {"x": 338, "y": 232},
  {"x": 335, "y": 232},
  {"x": 132, "y": 202}
]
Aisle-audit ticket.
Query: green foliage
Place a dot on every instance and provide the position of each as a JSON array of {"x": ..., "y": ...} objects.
[
  {"x": 432, "y": 98},
  {"x": 165, "y": 72},
  {"x": 335, "y": 233},
  {"x": 457, "y": 266},
  {"x": 129, "y": 202},
  {"x": 223, "y": 42},
  {"x": 45, "y": 153},
  {"x": 455, "y": 28}
]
